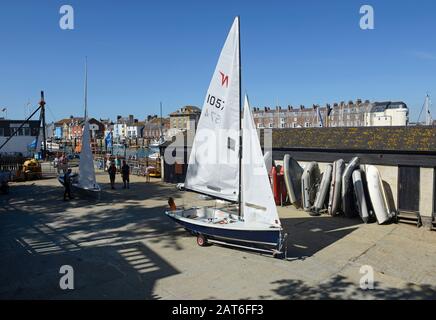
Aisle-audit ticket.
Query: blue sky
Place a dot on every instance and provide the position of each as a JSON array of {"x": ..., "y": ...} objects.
[{"x": 144, "y": 52}]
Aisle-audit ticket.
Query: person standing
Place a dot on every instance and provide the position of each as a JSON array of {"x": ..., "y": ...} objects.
[
  {"x": 112, "y": 172},
  {"x": 67, "y": 185},
  {"x": 108, "y": 164},
  {"x": 125, "y": 172}
]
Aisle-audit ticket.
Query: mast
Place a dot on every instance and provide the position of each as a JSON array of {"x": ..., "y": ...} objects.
[
  {"x": 240, "y": 120},
  {"x": 427, "y": 111},
  {"x": 44, "y": 144},
  {"x": 86, "y": 88},
  {"x": 161, "y": 134}
]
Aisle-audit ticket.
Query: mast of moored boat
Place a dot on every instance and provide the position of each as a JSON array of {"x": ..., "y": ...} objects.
[
  {"x": 240, "y": 121},
  {"x": 86, "y": 88}
]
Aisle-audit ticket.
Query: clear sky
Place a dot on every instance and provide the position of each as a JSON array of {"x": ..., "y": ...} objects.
[{"x": 144, "y": 52}]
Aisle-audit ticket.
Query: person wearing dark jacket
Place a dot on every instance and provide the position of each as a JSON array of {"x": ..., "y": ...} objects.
[
  {"x": 125, "y": 172},
  {"x": 112, "y": 172},
  {"x": 67, "y": 185}
]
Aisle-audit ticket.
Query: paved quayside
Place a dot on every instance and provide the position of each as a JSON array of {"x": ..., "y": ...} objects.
[{"x": 124, "y": 247}]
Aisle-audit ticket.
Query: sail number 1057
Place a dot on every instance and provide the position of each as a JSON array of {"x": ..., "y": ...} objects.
[{"x": 213, "y": 101}]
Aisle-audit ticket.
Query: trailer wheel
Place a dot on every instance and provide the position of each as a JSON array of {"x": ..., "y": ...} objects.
[{"x": 201, "y": 240}]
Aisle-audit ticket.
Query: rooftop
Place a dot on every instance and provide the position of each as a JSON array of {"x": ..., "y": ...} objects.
[{"x": 402, "y": 139}]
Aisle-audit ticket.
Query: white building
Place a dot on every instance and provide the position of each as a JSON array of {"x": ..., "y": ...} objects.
[
  {"x": 387, "y": 114},
  {"x": 134, "y": 130},
  {"x": 120, "y": 131},
  {"x": 19, "y": 144}
]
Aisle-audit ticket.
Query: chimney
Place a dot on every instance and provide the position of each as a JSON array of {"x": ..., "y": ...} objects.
[
  {"x": 359, "y": 101},
  {"x": 266, "y": 109}
]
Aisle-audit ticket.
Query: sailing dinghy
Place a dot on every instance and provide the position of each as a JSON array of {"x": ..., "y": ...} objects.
[
  {"x": 220, "y": 169},
  {"x": 85, "y": 183}
]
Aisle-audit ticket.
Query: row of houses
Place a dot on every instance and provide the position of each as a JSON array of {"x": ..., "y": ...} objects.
[
  {"x": 351, "y": 114},
  {"x": 126, "y": 129}
]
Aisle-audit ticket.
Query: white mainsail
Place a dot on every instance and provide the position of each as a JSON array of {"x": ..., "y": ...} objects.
[
  {"x": 257, "y": 198},
  {"x": 86, "y": 163},
  {"x": 214, "y": 161}
]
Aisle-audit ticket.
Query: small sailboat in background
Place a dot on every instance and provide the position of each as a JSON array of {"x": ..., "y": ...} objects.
[
  {"x": 238, "y": 176},
  {"x": 85, "y": 183}
]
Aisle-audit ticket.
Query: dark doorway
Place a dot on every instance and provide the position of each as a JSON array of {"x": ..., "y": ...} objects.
[{"x": 408, "y": 189}]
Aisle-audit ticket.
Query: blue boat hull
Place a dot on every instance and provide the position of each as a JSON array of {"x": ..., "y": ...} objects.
[{"x": 256, "y": 239}]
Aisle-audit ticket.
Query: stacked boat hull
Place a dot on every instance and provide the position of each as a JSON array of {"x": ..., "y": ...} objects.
[{"x": 341, "y": 189}]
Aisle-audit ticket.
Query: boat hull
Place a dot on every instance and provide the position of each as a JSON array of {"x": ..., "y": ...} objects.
[
  {"x": 82, "y": 192},
  {"x": 362, "y": 203},
  {"x": 324, "y": 189},
  {"x": 335, "y": 187},
  {"x": 262, "y": 239},
  {"x": 292, "y": 177},
  {"x": 348, "y": 204},
  {"x": 378, "y": 195},
  {"x": 309, "y": 181}
]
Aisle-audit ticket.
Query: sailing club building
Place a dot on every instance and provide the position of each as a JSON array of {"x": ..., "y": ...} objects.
[{"x": 405, "y": 157}]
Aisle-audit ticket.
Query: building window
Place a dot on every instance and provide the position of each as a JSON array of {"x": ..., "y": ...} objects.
[
  {"x": 271, "y": 125},
  {"x": 283, "y": 125},
  {"x": 307, "y": 124}
]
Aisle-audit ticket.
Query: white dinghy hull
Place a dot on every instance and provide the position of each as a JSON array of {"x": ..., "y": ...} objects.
[
  {"x": 378, "y": 195},
  {"x": 92, "y": 193}
]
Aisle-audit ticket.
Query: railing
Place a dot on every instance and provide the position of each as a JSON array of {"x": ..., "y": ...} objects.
[
  {"x": 137, "y": 167},
  {"x": 12, "y": 165}
]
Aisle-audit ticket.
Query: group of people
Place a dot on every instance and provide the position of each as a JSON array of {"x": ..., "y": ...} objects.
[
  {"x": 60, "y": 163},
  {"x": 125, "y": 174}
]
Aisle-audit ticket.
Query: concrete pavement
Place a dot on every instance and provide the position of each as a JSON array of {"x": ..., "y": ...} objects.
[{"x": 123, "y": 247}]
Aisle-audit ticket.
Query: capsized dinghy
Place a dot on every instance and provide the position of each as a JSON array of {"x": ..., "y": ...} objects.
[
  {"x": 359, "y": 189},
  {"x": 348, "y": 203},
  {"x": 378, "y": 196},
  {"x": 292, "y": 176},
  {"x": 323, "y": 191},
  {"x": 335, "y": 187},
  {"x": 309, "y": 183},
  {"x": 253, "y": 223}
]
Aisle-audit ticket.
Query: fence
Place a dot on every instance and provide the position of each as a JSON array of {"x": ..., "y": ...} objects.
[
  {"x": 12, "y": 165},
  {"x": 137, "y": 167}
]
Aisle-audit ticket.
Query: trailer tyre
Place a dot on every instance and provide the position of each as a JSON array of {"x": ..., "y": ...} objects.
[{"x": 201, "y": 240}]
